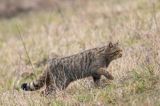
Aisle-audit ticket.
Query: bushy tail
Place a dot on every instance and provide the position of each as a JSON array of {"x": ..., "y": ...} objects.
[{"x": 35, "y": 85}]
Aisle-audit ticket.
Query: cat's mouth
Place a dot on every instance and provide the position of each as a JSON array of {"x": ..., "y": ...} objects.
[{"x": 120, "y": 53}]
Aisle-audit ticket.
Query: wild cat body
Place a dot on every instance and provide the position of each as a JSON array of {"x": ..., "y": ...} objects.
[{"x": 60, "y": 72}]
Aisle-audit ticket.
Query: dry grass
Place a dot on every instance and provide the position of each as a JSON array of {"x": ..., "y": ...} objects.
[{"x": 134, "y": 23}]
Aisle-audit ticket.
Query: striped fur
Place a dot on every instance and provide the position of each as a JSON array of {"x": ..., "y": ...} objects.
[{"x": 60, "y": 72}]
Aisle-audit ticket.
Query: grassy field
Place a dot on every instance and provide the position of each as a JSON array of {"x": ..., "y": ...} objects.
[{"x": 71, "y": 29}]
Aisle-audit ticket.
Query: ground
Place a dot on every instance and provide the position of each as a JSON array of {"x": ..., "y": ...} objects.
[{"x": 29, "y": 38}]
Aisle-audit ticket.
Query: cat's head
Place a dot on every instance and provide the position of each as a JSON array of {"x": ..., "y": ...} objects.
[{"x": 113, "y": 51}]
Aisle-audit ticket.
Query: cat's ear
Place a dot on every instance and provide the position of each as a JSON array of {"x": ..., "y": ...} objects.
[{"x": 110, "y": 44}]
